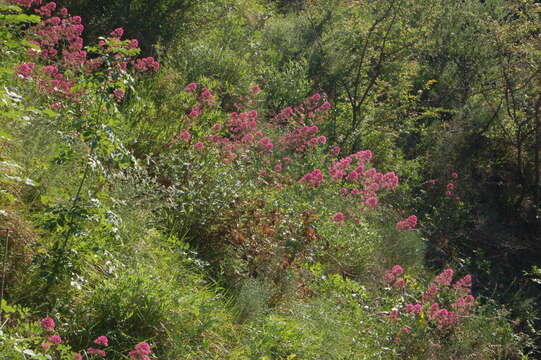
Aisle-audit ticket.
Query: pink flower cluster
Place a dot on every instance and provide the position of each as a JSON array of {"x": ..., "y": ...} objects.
[
  {"x": 102, "y": 341},
  {"x": 338, "y": 217},
  {"x": 443, "y": 318},
  {"x": 313, "y": 178},
  {"x": 312, "y": 109},
  {"x": 302, "y": 139},
  {"x": 58, "y": 42},
  {"x": 147, "y": 64},
  {"x": 393, "y": 275},
  {"x": 47, "y": 324},
  {"x": 140, "y": 352},
  {"x": 407, "y": 224},
  {"x": 450, "y": 187}
]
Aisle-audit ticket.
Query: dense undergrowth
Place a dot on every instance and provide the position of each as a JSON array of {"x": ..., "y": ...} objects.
[{"x": 220, "y": 204}]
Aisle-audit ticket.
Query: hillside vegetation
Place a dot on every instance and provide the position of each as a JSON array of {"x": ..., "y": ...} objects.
[{"x": 269, "y": 179}]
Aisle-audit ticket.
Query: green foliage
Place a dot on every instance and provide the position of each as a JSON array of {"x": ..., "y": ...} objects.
[{"x": 121, "y": 228}]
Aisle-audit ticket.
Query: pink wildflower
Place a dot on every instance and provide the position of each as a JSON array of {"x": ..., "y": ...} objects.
[
  {"x": 407, "y": 224},
  {"x": 185, "y": 135},
  {"x": 464, "y": 285},
  {"x": 338, "y": 217},
  {"x": 25, "y": 70},
  {"x": 445, "y": 278},
  {"x": 191, "y": 87},
  {"x": 325, "y": 106},
  {"x": 47, "y": 324},
  {"x": 372, "y": 202},
  {"x": 55, "y": 339},
  {"x": 397, "y": 270},
  {"x": 405, "y": 330},
  {"x": 454, "y": 175},
  {"x": 199, "y": 146},
  {"x": 195, "y": 112},
  {"x": 430, "y": 293},
  {"x": 255, "y": 90},
  {"x": 278, "y": 167},
  {"x": 118, "y": 32},
  {"x": 102, "y": 340},
  {"x": 94, "y": 351},
  {"x": 393, "y": 315},
  {"x": 77, "y": 356},
  {"x": 140, "y": 351},
  {"x": 399, "y": 284},
  {"x": 45, "y": 346}
]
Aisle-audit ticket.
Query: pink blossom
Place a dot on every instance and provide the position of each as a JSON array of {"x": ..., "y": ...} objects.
[
  {"x": 102, "y": 340},
  {"x": 338, "y": 217},
  {"x": 255, "y": 90},
  {"x": 454, "y": 175},
  {"x": 397, "y": 270},
  {"x": 450, "y": 186},
  {"x": 430, "y": 293},
  {"x": 464, "y": 285},
  {"x": 199, "y": 146},
  {"x": 55, "y": 339},
  {"x": 94, "y": 351},
  {"x": 191, "y": 87},
  {"x": 217, "y": 127},
  {"x": 195, "y": 112},
  {"x": 118, "y": 32},
  {"x": 140, "y": 352},
  {"x": 185, "y": 135},
  {"x": 393, "y": 315},
  {"x": 47, "y": 324},
  {"x": 399, "y": 284},
  {"x": 415, "y": 309},
  {"x": 405, "y": 330},
  {"x": 372, "y": 202},
  {"x": 134, "y": 44},
  {"x": 207, "y": 97},
  {"x": 433, "y": 311},
  {"x": 45, "y": 346},
  {"x": 278, "y": 167},
  {"x": 407, "y": 224},
  {"x": 77, "y": 356},
  {"x": 313, "y": 178},
  {"x": 445, "y": 278},
  {"x": 325, "y": 106},
  {"x": 25, "y": 70}
]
